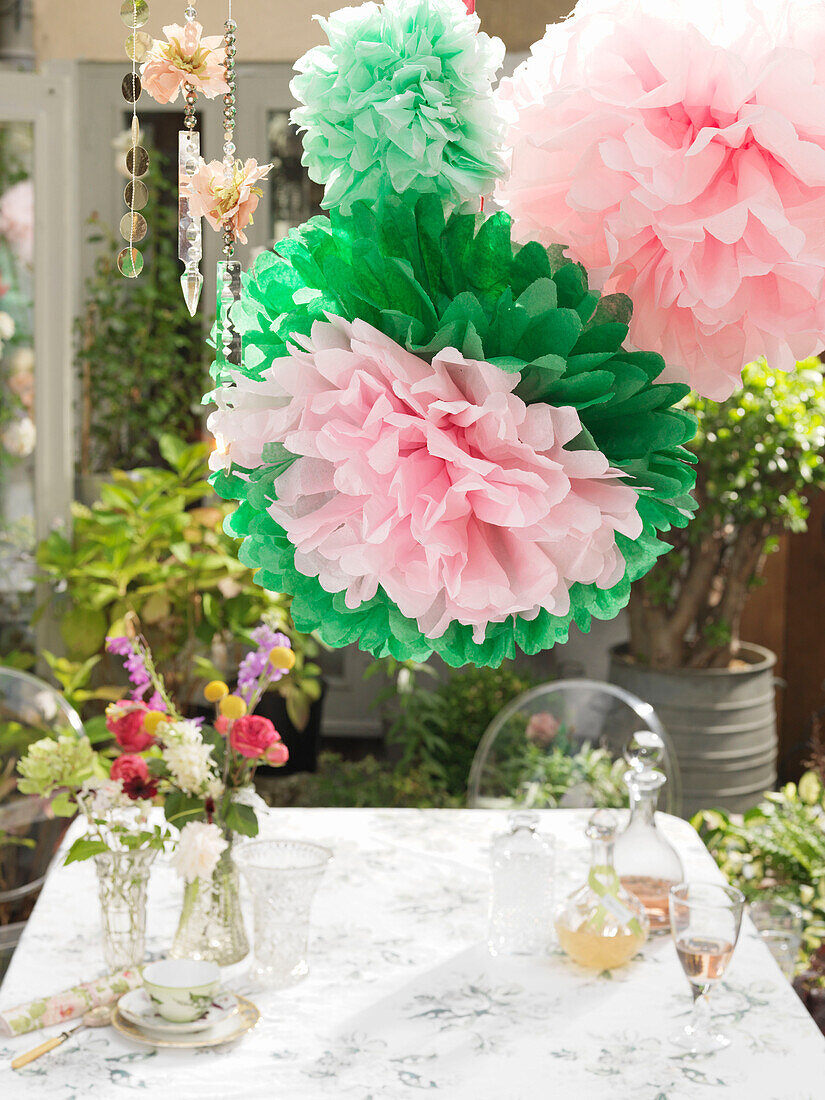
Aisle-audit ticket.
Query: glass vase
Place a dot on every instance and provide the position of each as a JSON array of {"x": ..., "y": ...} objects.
[
  {"x": 211, "y": 924},
  {"x": 122, "y": 878}
]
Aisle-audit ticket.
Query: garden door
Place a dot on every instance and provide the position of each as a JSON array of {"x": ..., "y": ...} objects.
[{"x": 38, "y": 293}]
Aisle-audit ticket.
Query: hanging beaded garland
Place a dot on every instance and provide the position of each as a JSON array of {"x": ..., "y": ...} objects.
[
  {"x": 190, "y": 236},
  {"x": 229, "y": 343},
  {"x": 133, "y": 227}
]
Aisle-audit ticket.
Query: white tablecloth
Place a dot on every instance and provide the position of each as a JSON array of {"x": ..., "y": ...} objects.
[{"x": 403, "y": 998}]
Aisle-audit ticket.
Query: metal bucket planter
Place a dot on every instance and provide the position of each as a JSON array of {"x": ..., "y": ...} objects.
[{"x": 722, "y": 723}]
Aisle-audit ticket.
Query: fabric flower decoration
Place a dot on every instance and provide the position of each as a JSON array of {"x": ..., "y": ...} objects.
[
  {"x": 678, "y": 150},
  {"x": 438, "y": 440},
  {"x": 186, "y": 57},
  {"x": 124, "y": 720},
  {"x": 133, "y": 773},
  {"x": 198, "y": 850},
  {"x": 401, "y": 97},
  {"x": 220, "y": 200}
]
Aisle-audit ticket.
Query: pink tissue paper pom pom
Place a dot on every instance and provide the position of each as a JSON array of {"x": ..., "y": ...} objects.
[
  {"x": 434, "y": 481},
  {"x": 677, "y": 147}
]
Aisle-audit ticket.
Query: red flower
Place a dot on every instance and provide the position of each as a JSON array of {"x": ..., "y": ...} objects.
[
  {"x": 252, "y": 735},
  {"x": 133, "y": 772},
  {"x": 222, "y": 725},
  {"x": 125, "y": 720}
]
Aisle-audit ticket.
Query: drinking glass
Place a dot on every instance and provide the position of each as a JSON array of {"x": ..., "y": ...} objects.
[
  {"x": 705, "y": 919},
  {"x": 779, "y": 925},
  {"x": 283, "y": 876}
]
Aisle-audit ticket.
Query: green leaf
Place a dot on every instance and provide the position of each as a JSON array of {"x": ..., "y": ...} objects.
[
  {"x": 241, "y": 818},
  {"x": 83, "y": 848}
]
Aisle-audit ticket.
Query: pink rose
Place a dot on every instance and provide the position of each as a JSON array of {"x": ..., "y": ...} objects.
[
  {"x": 133, "y": 772},
  {"x": 125, "y": 720},
  {"x": 542, "y": 728},
  {"x": 277, "y": 755},
  {"x": 222, "y": 725},
  {"x": 252, "y": 735}
]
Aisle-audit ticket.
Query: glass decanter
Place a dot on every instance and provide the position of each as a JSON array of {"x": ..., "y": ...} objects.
[
  {"x": 646, "y": 862},
  {"x": 601, "y": 925},
  {"x": 522, "y": 862}
]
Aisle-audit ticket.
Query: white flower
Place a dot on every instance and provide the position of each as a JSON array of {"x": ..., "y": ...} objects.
[
  {"x": 19, "y": 437},
  {"x": 6, "y": 326},
  {"x": 187, "y": 756},
  {"x": 198, "y": 851}
]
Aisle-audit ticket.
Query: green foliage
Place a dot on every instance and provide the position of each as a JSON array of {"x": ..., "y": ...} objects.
[
  {"x": 367, "y": 782},
  {"x": 141, "y": 357},
  {"x": 778, "y": 849},
  {"x": 759, "y": 452},
  {"x": 439, "y": 730},
  {"x": 559, "y": 771},
  {"x": 758, "y": 465},
  {"x": 149, "y": 548}
]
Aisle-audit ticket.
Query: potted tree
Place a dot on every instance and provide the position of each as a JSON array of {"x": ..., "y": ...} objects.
[{"x": 758, "y": 463}]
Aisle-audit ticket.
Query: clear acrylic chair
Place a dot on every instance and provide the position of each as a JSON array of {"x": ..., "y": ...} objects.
[
  {"x": 561, "y": 744},
  {"x": 29, "y": 710}
]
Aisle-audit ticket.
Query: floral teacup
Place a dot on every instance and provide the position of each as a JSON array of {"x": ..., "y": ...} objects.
[{"x": 181, "y": 989}]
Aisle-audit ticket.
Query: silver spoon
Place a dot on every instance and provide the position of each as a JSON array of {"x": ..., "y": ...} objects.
[{"x": 95, "y": 1017}]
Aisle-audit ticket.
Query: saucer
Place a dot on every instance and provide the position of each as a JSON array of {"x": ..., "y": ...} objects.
[
  {"x": 137, "y": 1008},
  {"x": 229, "y": 1028}
]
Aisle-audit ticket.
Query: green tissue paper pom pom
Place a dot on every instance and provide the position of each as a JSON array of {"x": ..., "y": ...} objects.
[
  {"x": 401, "y": 99},
  {"x": 431, "y": 282}
]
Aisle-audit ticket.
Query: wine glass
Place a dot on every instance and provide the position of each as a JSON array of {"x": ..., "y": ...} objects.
[
  {"x": 704, "y": 918},
  {"x": 779, "y": 924}
]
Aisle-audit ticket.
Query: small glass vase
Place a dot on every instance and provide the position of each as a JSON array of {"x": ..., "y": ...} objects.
[
  {"x": 122, "y": 878},
  {"x": 211, "y": 923}
]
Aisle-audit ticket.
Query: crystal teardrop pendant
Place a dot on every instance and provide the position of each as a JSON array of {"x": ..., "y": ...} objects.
[{"x": 191, "y": 283}]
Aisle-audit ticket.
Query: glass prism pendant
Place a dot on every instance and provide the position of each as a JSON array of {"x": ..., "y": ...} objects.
[
  {"x": 646, "y": 862},
  {"x": 190, "y": 243},
  {"x": 191, "y": 283}
]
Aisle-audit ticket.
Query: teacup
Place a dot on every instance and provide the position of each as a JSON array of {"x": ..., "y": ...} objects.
[{"x": 181, "y": 989}]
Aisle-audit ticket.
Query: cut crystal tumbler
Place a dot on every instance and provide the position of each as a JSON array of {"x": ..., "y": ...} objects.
[{"x": 283, "y": 876}]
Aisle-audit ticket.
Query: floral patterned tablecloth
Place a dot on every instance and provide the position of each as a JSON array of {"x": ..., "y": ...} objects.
[{"x": 403, "y": 999}]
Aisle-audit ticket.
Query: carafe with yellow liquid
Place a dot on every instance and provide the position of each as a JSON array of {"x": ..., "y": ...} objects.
[{"x": 601, "y": 925}]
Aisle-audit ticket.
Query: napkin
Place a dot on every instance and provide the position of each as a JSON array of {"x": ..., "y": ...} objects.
[{"x": 72, "y": 1002}]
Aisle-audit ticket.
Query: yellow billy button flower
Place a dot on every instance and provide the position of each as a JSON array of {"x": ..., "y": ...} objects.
[
  {"x": 282, "y": 658},
  {"x": 232, "y": 707},
  {"x": 152, "y": 719},
  {"x": 215, "y": 690}
]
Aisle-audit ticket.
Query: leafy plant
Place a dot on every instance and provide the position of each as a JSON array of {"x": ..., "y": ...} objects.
[
  {"x": 777, "y": 849},
  {"x": 367, "y": 782},
  {"x": 141, "y": 358},
  {"x": 150, "y": 548},
  {"x": 438, "y": 730},
  {"x": 758, "y": 464}
]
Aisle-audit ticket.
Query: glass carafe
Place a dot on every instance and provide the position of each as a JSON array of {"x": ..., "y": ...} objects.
[
  {"x": 522, "y": 862},
  {"x": 646, "y": 862},
  {"x": 601, "y": 925}
]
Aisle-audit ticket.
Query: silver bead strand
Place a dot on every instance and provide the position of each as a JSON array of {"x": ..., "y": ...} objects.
[{"x": 229, "y": 112}]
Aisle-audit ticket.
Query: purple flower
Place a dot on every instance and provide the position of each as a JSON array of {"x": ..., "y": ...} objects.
[
  {"x": 119, "y": 645},
  {"x": 155, "y": 702},
  {"x": 134, "y": 662},
  {"x": 256, "y": 663}
]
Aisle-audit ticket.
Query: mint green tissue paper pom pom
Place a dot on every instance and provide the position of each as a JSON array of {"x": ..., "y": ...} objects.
[{"x": 401, "y": 99}]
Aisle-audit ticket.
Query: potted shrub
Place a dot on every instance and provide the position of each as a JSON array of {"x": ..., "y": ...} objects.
[
  {"x": 151, "y": 548},
  {"x": 758, "y": 463}
]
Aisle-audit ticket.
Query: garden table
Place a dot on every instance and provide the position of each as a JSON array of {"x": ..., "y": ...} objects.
[{"x": 403, "y": 999}]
